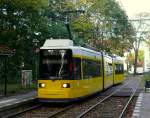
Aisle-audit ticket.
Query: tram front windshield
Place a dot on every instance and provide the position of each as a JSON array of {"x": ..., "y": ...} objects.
[{"x": 54, "y": 64}]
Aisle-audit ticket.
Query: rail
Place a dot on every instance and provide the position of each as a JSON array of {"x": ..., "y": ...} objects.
[
  {"x": 125, "y": 108},
  {"x": 21, "y": 112},
  {"x": 60, "y": 111}
]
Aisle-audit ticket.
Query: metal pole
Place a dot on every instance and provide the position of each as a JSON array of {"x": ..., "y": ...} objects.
[
  {"x": 5, "y": 76},
  {"x": 35, "y": 41},
  {"x": 36, "y": 62},
  {"x": 67, "y": 20}
]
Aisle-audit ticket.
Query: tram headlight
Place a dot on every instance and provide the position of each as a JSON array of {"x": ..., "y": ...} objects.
[
  {"x": 41, "y": 85},
  {"x": 66, "y": 85}
]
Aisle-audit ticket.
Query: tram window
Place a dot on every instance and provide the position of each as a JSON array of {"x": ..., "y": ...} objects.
[
  {"x": 109, "y": 69},
  {"x": 91, "y": 69},
  {"x": 75, "y": 69},
  {"x": 119, "y": 69}
]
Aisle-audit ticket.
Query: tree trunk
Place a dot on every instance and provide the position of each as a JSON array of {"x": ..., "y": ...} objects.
[{"x": 135, "y": 61}]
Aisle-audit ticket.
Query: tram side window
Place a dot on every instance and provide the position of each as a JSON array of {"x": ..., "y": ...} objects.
[
  {"x": 91, "y": 69},
  {"x": 109, "y": 69},
  {"x": 75, "y": 69},
  {"x": 119, "y": 69}
]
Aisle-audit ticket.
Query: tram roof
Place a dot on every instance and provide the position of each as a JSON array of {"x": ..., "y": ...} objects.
[
  {"x": 117, "y": 59},
  {"x": 77, "y": 50}
]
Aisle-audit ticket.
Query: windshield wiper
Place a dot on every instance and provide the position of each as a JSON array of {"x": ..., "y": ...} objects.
[{"x": 62, "y": 60}]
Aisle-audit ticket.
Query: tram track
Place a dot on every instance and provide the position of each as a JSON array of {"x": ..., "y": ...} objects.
[
  {"x": 22, "y": 111},
  {"x": 45, "y": 111},
  {"x": 60, "y": 111}
]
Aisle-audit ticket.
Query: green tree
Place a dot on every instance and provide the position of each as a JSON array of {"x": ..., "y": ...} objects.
[
  {"x": 20, "y": 22},
  {"x": 141, "y": 28},
  {"x": 103, "y": 22}
]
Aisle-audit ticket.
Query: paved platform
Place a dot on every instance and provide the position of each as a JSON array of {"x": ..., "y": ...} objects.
[
  {"x": 13, "y": 101},
  {"x": 142, "y": 108}
]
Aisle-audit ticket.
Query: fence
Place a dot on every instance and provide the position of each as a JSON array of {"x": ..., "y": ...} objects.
[{"x": 14, "y": 80}]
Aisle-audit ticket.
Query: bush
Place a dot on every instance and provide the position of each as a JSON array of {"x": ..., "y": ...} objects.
[{"x": 146, "y": 76}]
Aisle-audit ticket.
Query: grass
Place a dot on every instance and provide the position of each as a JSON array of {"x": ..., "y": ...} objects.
[{"x": 147, "y": 76}]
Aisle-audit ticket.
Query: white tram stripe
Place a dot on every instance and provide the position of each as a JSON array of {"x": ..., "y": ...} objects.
[
  {"x": 138, "y": 105},
  {"x": 137, "y": 108},
  {"x": 138, "y": 102},
  {"x": 135, "y": 115},
  {"x": 136, "y": 111}
]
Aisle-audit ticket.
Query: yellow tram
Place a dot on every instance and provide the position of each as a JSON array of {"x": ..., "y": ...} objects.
[
  {"x": 118, "y": 70},
  {"x": 69, "y": 73}
]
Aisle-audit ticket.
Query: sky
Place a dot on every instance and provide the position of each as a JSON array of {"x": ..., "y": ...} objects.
[{"x": 133, "y": 7}]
